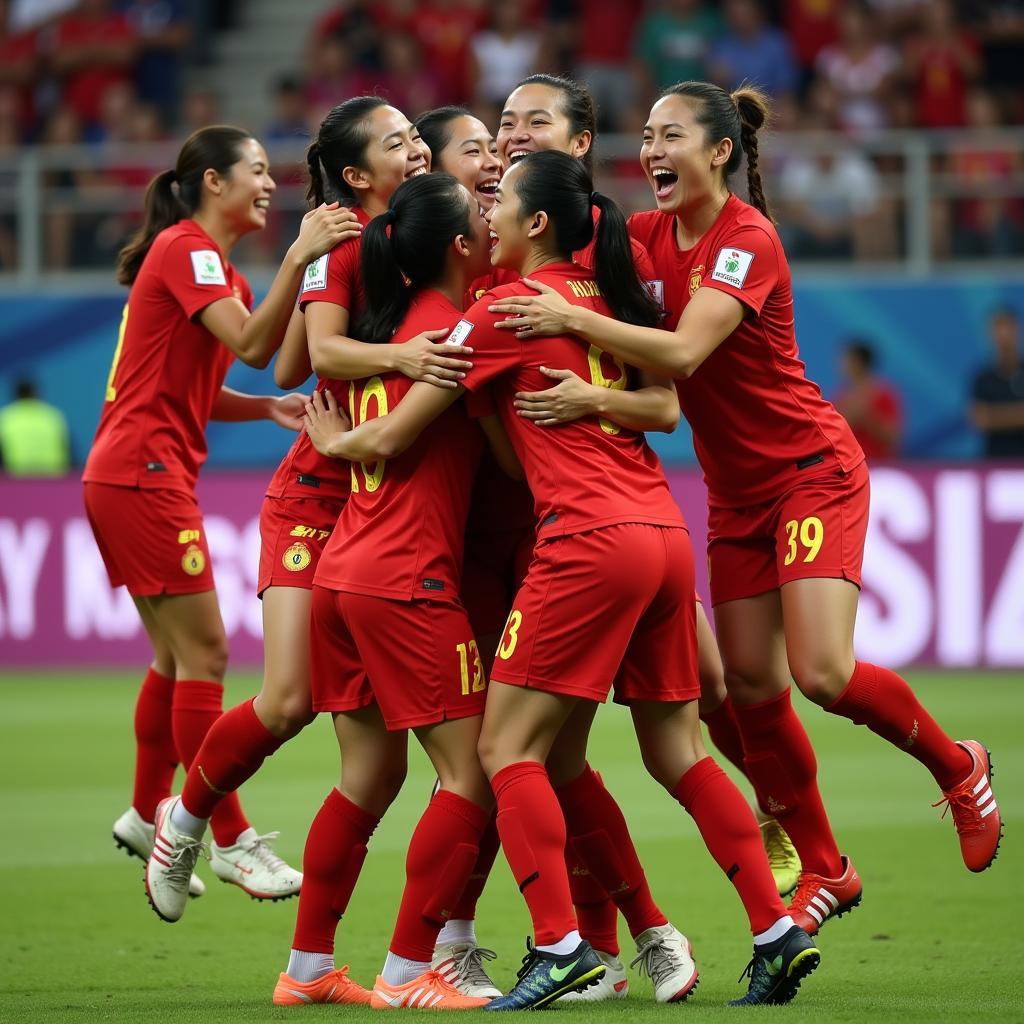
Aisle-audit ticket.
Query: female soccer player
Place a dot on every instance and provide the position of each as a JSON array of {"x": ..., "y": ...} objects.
[
  {"x": 392, "y": 647},
  {"x": 788, "y": 488},
  {"x": 608, "y": 597},
  {"x": 186, "y": 318}
]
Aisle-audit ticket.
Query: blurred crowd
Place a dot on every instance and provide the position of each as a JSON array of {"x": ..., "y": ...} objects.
[{"x": 98, "y": 71}]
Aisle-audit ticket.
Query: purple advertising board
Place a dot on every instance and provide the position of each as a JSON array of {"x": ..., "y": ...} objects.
[{"x": 943, "y": 570}]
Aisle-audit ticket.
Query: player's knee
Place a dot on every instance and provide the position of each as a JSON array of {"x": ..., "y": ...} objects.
[
  {"x": 489, "y": 750},
  {"x": 820, "y": 680},
  {"x": 285, "y": 716},
  {"x": 744, "y": 687}
]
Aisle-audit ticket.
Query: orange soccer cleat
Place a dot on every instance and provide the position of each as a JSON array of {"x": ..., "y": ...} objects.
[
  {"x": 336, "y": 987},
  {"x": 427, "y": 992},
  {"x": 817, "y": 899},
  {"x": 975, "y": 813}
]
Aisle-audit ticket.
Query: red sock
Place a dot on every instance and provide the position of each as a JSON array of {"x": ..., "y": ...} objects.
[
  {"x": 442, "y": 852},
  {"x": 334, "y": 854},
  {"x": 234, "y": 748},
  {"x": 465, "y": 909},
  {"x": 156, "y": 756},
  {"x": 784, "y": 772},
  {"x": 599, "y": 834},
  {"x": 598, "y": 917},
  {"x": 724, "y": 731},
  {"x": 885, "y": 703},
  {"x": 730, "y": 832},
  {"x": 197, "y": 705},
  {"x": 532, "y": 832}
]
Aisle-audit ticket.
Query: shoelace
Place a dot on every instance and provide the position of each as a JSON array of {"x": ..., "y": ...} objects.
[
  {"x": 470, "y": 964},
  {"x": 259, "y": 848},
  {"x": 657, "y": 960},
  {"x": 758, "y": 975},
  {"x": 965, "y": 815},
  {"x": 529, "y": 960},
  {"x": 183, "y": 860}
]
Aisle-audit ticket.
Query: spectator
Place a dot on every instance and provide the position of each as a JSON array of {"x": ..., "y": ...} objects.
[
  {"x": 290, "y": 115},
  {"x": 33, "y": 436},
  {"x": 30, "y": 15},
  {"x": 444, "y": 29},
  {"x": 603, "y": 32},
  {"x": 63, "y": 188},
  {"x": 672, "y": 43},
  {"x": 941, "y": 61},
  {"x": 503, "y": 54},
  {"x": 334, "y": 75},
  {"x": 353, "y": 22},
  {"x": 999, "y": 25},
  {"x": 860, "y": 70},
  {"x": 199, "y": 108},
  {"x": 163, "y": 28},
  {"x": 10, "y": 141},
  {"x": 811, "y": 26},
  {"x": 871, "y": 405},
  {"x": 19, "y": 64},
  {"x": 404, "y": 79},
  {"x": 998, "y": 395},
  {"x": 752, "y": 51}
]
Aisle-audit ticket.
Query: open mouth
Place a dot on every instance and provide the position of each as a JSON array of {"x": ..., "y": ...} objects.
[
  {"x": 262, "y": 204},
  {"x": 422, "y": 169},
  {"x": 488, "y": 188},
  {"x": 664, "y": 181},
  {"x": 516, "y": 155}
]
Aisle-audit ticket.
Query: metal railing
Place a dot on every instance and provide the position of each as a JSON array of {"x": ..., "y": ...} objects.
[{"x": 902, "y": 203}]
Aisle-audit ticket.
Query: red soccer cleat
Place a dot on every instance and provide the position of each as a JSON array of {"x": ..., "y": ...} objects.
[
  {"x": 818, "y": 899},
  {"x": 336, "y": 987},
  {"x": 975, "y": 813}
]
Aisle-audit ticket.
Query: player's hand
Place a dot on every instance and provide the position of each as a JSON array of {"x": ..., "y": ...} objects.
[
  {"x": 324, "y": 420},
  {"x": 426, "y": 357},
  {"x": 534, "y": 316},
  {"x": 569, "y": 400},
  {"x": 324, "y": 228},
  {"x": 288, "y": 410}
]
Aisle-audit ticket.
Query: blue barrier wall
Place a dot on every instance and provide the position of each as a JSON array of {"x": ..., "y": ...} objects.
[{"x": 931, "y": 336}]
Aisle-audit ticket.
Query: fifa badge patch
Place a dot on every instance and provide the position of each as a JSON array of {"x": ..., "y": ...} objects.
[
  {"x": 459, "y": 333},
  {"x": 296, "y": 557},
  {"x": 657, "y": 291},
  {"x": 193, "y": 561},
  {"x": 732, "y": 266},
  {"x": 316, "y": 275},
  {"x": 207, "y": 267}
]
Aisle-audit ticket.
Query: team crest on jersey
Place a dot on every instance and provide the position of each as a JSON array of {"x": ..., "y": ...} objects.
[
  {"x": 207, "y": 267},
  {"x": 732, "y": 266},
  {"x": 316, "y": 275},
  {"x": 296, "y": 557},
  {"x": 460, "y": 332},
  {"x": 696, "y": 278},
  {"x": 193, "y": 561}
]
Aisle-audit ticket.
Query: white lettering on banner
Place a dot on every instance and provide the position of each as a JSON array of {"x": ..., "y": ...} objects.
[
  {"x": 958, "y": 567},
  {"x": 91, "y": 606},
  {"x": 236, "y": 591},
  {"x": 21, "y": 559},
  {"x": 894, "y": 622},
  {"x": 1004, "y": 631}
]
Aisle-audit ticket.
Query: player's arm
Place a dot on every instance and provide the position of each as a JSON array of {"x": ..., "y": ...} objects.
[
  {"x": 292, "y": 366},
  {"x": 501, "y": 447},
  {"x": 286, "y": 411},
  {"x": 709, "y": 318},
  {"x": 255, "y": 336},
  {"x": 998, "y": 416},
  {"x": 385, "y": 437}
]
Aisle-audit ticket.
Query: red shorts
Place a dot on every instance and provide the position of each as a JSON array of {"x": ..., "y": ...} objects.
[
  {"x": 293, "y": 534},
  {"x": 815, "y": 530},
  {"x": 611, "y": 606},
  {"x": 151, "y": 541},
  {"x": 417, "y": 659},
  {"x": 493, "y": 569}
]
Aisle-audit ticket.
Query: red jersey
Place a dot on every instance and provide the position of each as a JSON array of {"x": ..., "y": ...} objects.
[
  {"x": 757, "y": 420},
  {"x": 585, "y": 474},
  {"x": 168, "y": 369},
  {"x": 401, "y": 534},
  {"x": 882, "y": 406},
  {"x": 336, "y": 278}
]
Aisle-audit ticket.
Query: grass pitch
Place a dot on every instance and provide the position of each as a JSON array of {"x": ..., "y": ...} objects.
[{"x": 78, "y": 941}]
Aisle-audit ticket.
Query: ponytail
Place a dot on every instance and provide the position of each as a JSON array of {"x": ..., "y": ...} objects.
[
  {"x": 316, "y": 190},
  {"x": 217, "y": 148},
  {"x": 615, "y": 268},
  {"x": 406, "y": 249},
  {"x": 752, "y": 108}
]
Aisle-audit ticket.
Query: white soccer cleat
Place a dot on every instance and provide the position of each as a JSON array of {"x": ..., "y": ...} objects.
[
  {"x": 666, "y": 957},
  {"x": 170, "y": 865},
  {"x": 461, "y": 965},
  {"x": 613, "y": 984},
  {"x": 135, "y": 836},
  {"x": 254, "y": 867}
]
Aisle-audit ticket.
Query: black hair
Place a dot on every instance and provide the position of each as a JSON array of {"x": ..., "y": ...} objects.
[
  {"x": 217, "y": 147},
  {"x": 736, "y": 116},
  {"x": 25, "y": 389},
  {"x": 405, "y": 249},
  {"x": 341, "y": 141},
  {"x": 863, "y": 352},
  {"x": 435, "y": 127},
  {"x": 1004, "y": 313},
  {"x": 577, "y": 106},
  {"x": 561, "y": 186}
]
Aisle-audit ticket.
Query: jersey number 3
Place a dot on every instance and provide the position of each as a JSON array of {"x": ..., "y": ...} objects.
[{"x": 598, "y": 378}]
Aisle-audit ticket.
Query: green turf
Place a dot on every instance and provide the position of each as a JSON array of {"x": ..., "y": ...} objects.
[{"x": 78, "y": 941}]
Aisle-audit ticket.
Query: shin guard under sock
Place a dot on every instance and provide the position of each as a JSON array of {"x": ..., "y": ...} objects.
[{"x": 156, "y": 756}]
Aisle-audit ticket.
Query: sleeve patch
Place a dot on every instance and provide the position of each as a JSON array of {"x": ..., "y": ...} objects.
[
  {"x": 207, "y": 267},
  {"x": 732, "y": 266},
  {"x": 459, "y": 333},
  {"x": 316, "y": 275}
]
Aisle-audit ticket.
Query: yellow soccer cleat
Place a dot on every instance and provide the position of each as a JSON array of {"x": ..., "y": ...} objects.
[{"x": 782, "y": 856}]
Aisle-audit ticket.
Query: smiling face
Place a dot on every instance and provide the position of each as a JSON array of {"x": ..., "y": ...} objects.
[
  {"x": 478, "y": 241},
  {"x": 534, "y": 120},
  {"x": 394, "y": 153},
  {"x": 512, "y": 233},
  {"x": 243, "y": 194},
  {"x": 471, "y": 155},
  {"x": 681, "y": 163}
]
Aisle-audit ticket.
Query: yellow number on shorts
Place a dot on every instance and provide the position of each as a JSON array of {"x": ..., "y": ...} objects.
[
  {"x": 598, "y": 378},
  {"x": 511, "y": 635},
  {"x": 111, "y": 390},
  {"x": 373, "y": 388},
  {"x": 471, "y": 653},
  {"x": 811, "y": 533}
]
